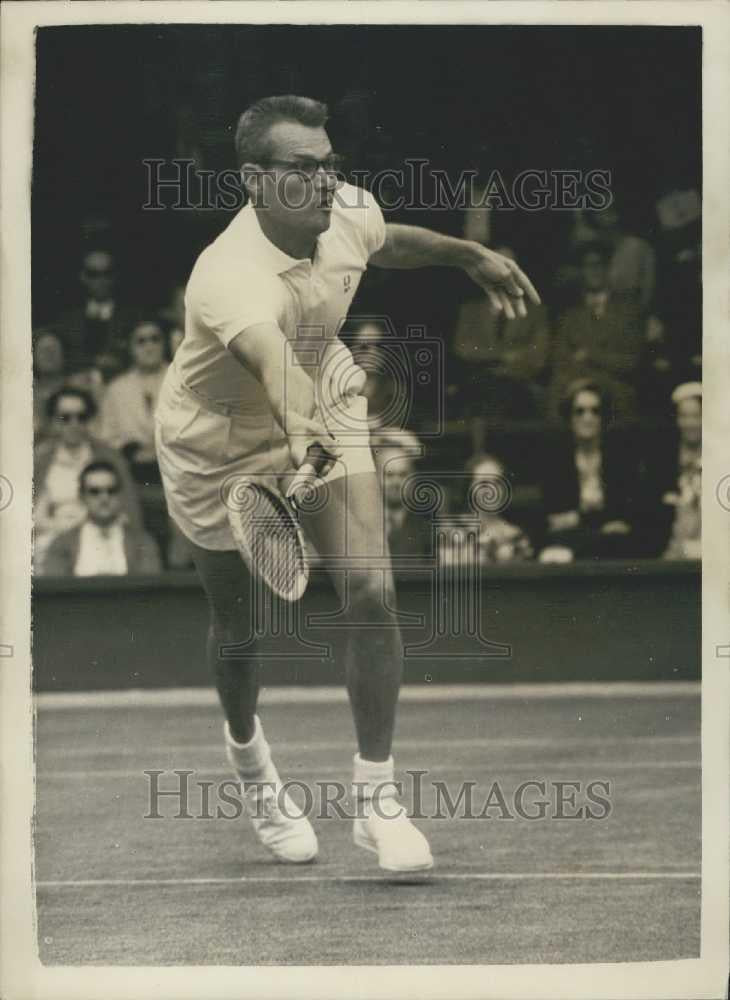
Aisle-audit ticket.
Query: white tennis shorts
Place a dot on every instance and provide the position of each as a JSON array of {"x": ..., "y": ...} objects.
[{"x": 202, "y": 447}]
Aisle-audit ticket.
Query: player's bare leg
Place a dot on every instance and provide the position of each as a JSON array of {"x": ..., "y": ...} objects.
[
  {"x": 351, "y": 525},
  {"x": 227, "y": 584},
  {"x": 277, "y": 822}
]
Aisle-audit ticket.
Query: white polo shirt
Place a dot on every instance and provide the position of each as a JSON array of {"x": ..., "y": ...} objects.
[{"x": 242, "y": 279}]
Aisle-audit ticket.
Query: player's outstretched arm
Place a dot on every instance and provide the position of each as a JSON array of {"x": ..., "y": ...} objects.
[
  {"x": 264, "y": 351},
  {"x": 503, "y": 281}
]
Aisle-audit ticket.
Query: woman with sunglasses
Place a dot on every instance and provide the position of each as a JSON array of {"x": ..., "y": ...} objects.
[
  {"x": 588, "y": 481},
  {"x": 58, "y": 463}
]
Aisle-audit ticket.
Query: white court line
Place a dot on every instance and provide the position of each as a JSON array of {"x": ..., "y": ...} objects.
[
  {"x": 313, "y": 746},
  {"x": 502, "y": 767},
  {"x": 447, "y": 877},
  {"x": 326, "y": 695}
]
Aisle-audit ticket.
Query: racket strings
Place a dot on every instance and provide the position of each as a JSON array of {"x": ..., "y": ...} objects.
[
  {"x": 276, "y": 557},
  {"x": 274, "y": 543}
]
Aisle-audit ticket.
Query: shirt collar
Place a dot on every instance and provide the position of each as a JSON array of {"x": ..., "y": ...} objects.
[{"x": 252, "y": 235}]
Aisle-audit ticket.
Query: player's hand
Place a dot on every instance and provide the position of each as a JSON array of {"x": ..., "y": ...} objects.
[
  {"x": 505, "y": 283},
  {"x": 302, "y": 433}
]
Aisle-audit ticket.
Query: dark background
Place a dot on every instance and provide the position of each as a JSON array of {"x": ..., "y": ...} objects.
[{"x": 620, "y": 98}]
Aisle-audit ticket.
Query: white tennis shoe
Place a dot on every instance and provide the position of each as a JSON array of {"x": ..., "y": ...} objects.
[
  {"x": 387, "y": 831},
  {"x": 278, "y": 822}
]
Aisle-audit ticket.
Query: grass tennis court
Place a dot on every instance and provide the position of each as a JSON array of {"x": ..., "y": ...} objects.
[{"x": 115, "y": 888}]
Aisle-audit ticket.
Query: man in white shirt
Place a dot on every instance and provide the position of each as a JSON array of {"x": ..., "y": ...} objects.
[
  {"x": 251, "y": 387},
  {"x": 58, "y": 462},
  {"x": 103, "y": 544},
  {"x": 101, "y": 536}
]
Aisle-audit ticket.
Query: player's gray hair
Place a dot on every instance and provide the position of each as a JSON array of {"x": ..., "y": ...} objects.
[{"x": 252, "y": 131}]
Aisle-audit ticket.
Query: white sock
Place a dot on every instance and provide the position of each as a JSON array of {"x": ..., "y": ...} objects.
[
  {"x": 373, "y": 778},
  {"x": 252, "y": 760}
]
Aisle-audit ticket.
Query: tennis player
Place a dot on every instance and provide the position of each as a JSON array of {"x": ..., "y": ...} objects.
[{"x": 253, "y": 385}]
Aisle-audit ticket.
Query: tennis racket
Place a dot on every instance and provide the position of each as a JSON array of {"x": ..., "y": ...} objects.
[{"x": 265, "y": 527}]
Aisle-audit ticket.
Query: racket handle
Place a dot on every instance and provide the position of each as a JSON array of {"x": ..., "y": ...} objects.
[{"x": 317, "y": 458}]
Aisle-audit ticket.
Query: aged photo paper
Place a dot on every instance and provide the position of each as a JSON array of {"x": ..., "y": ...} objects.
[{"x": 365, "y": 499}]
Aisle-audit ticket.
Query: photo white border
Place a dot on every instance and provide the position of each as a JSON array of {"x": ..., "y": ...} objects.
[{"x": 21, "y": 974}]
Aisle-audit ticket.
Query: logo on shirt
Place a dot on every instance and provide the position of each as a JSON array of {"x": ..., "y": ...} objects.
[{"x": 347, "y": 282}]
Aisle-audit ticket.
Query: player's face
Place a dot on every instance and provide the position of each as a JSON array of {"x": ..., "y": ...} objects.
[
  {"x": 586, "y": 416},
  {"x": 296, "y": 190},
  {"x": 689, "y": 421},
  {"x": 101, "y": 496}
]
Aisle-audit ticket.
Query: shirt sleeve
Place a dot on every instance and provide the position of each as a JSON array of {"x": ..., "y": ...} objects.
[
  {"x": 362, "y": 219},
  {"x": 374, "y": 225},
  {"x": 229, "y": 303}
]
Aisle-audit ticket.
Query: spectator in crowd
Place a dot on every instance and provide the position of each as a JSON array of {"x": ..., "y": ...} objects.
[
  {"x": 94, "y": 333},
  {"x": 396, "y": 451},
  {"x": 128, "y": 425},
  {"x": 173, "y": 316},
  {"x": 601, "y": 338},
  {"x": 589, "y": 482},
  {"x": 127, "y": 415},
  {"x": 656, "y": 373},
  {"x": 500, "y": 362},
  {"x": 48, "y": 377},
  {"x": 102, "y": 544},
  {"x": 632, "y": 261},
  {"x": 59, "y": 461},
  {"x": 498, "y": 540},
  {"x": 679, "y": 288},
  {"x": 674, "y": 474},
  {"x": 632, "y": 266},
  {"x": 384, "y": 387}
]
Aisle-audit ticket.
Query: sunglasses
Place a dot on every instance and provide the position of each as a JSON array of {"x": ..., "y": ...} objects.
[
  {"x": 97, "y": 491},
  {"x": 579, "y": 411},
  {"x": 67, "y": 418}
]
